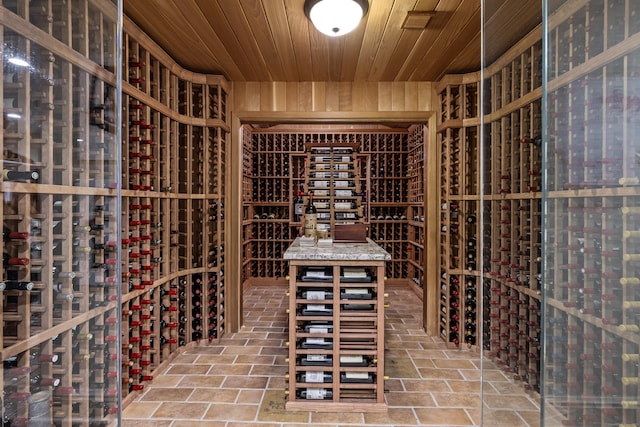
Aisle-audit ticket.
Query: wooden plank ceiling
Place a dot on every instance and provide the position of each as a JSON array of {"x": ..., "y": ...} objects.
[{"x": 272, "y": 40}]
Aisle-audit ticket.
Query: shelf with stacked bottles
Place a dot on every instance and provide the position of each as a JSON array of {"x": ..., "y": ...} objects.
[
  {"x": 388, "y": 197},
  {"x": 590, "y": 259},
  {"x": 508, "y": 264},
  {"x": 60, "y": 276},
  {"x": 174, "y": 140},
  {"x": 512, "y": 212},
  {"x": 459, "y": 145},
  {"x": 333, "y": 184},
  {"x": 415, "y": 224},
  {"x": 269, "y": 195},
  {"x": 336, "y": 328}
]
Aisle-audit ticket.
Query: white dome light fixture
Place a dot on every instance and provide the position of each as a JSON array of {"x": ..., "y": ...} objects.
[{"x": 335, "y": 17}]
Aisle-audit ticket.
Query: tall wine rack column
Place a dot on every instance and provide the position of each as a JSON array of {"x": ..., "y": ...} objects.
[
  {"x": 382, "y": 168},
  {"x": 512, "y": 212},
  {"x": 506, "y": 270},
  {"x": 592, "y": 248},
  {"x": 389, "y": 195},
  {"x": 174, "y": 153},
  {"x": 60, "y": 277},
  {"x": 459, "y": 202},
  {"x": 415, "y": 218}
]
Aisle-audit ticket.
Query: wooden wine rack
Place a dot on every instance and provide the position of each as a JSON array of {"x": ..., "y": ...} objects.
[
  {"x": 586, "y": 266},
  {"x": 333, "y": 181},
  {"x": 493, "y": 278},
  {"x": 160, "y": 252},
  {"x": 336, "y": 328},
  {"x": 460, "y": 269},
  {"x": 593, "y": 197},
  {"x": 384, "y": 172}
]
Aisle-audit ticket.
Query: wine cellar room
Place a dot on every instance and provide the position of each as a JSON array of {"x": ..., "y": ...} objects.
[{"x": 238, "y": 213}]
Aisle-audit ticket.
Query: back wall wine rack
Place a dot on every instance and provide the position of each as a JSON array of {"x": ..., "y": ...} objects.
[{"x": 391, "y": 180}]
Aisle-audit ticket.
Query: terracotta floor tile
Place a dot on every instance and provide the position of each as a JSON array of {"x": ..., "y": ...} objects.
[
  {"x": 251, "y": 424},
  {"x": 165, "y": 380},
  {"x": 465, "y": 386},
  {"x": 444, "y": 374},
  {"x": 393, "y": 417},
  {"x": 146, "y": 423},
  {"x": 256, "y": 360},
  {"x": 226, "y": 369},
  {"x": 250, "y": 396},
  {"x": 180, "y": 410},
  {"x": 412, "y": 400},
  {"x": 444, "y": 417},
  {"x": 159, "y": 394},
  {"x": 337, "y": 417},
  {"x": 432, "y": 386},
  {"x": 231, "y": 412},
  {"x": 453, "y": 364},
  {"x": 191, "y": 423},
  {"x": 236, "y": 349},
  {"x": 501, "y": 418},
  {"x": 182, "y": 369},
  {"x": 457, "y": 400},
  {"x": 201, "y": 381},
  {"x": 140, "y": 409},
  {"x": 487, "y": 375},
  {"x": 503, "y": 401},
  {"x": 273, "y": 409},
  {"x": 214, "y": 395},
  {"x": 206, "y": 359},
  {"x": 239, "y": 382}
]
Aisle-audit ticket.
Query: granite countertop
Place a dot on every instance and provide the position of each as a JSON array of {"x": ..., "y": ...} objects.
[{"x": 369, "y": 251}]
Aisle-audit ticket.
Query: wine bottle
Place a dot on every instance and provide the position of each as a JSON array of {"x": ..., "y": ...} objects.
[
  {"x": 12, "y": 285},
  {"x": 14, "y": 175},
  {"x": 315, "y": 377},
  {"x": 310, "y": 219},
  {"x": 314, "y": 393},
  {"x": 298, "y": 207}
]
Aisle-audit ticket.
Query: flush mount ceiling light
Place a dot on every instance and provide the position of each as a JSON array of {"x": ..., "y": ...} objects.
[{"x": 335, "y": 17}]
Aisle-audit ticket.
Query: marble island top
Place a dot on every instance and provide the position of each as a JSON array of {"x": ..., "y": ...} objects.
[{"x": 369, "y": 251}]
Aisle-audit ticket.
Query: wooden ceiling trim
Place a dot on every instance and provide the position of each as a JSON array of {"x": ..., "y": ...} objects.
[
  {"x": 243, "y": 66},
  {"x": 241, "y": 29},
  {"x": 260, "y": 30},
  {"x": 454, "y": 45},
  {"x": 499, "y": 27},
  {"x": 353, "y": 43},
  {"x": 319, "y": 50},
  {"x": 161, "y": 18},
  {"x": 208, "y": 39},
  {"x": 388, "y": 45},
  {"x": 467, "y": 60},
  {"x": 376, "y": 22},
  {"x": 404, "y": 47},
  {"x": 299, "y": 32},
  {"x": 276, "y": 17},
  {"x": 439, "y": 52},
  {"x": 272, "y": 40},
  {"x": 427, "y": 39},
  {"x": 337, "y": 62}
]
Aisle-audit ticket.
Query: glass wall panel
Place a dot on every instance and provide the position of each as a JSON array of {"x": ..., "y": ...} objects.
[
  {"x": 511, "y": 200},
  {"x": 591, "y": 244},
  {"x": 60, "y": 284}
]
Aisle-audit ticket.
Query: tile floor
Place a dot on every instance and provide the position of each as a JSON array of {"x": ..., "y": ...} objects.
[{"x": 240, "y": 382}]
